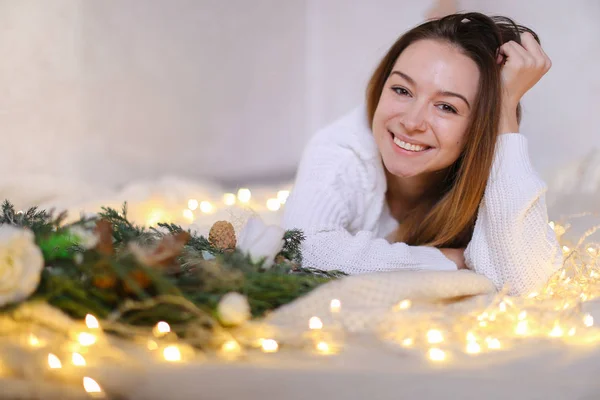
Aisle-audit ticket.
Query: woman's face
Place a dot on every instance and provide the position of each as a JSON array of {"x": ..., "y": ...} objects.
[{"x": 424, "y": 109}]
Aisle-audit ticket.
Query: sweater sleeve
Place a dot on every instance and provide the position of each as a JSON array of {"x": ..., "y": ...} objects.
[
  {"x": 323, "y": 203},
  {"x": 512, "y": 243}
]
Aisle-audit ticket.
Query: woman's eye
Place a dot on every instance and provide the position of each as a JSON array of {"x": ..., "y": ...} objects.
[
  {"x": 401, "y": 91},
  {"x": 447, "y": 108}
]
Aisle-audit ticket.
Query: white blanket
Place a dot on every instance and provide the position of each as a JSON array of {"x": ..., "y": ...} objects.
[{"x": 367, "y": 300}]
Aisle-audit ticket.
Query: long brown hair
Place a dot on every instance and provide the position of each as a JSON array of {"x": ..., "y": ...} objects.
[{"x": 447, "y": 217}]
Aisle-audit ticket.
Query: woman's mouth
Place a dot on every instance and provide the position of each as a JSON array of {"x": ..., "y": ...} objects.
[{"x": 413, "y": 148}]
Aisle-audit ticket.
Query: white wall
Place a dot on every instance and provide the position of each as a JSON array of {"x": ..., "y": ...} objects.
[
  {"x": 111, "y": 91},
  {"x": 560, "y": 112}
]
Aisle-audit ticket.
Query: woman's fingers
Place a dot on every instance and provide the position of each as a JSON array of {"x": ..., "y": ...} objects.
[
  {"x": 524, "y": 66},
  {"x": 535, "y": 50}
]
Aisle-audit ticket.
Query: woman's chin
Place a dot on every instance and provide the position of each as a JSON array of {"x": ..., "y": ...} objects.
[{"x": 404, "y": 172}]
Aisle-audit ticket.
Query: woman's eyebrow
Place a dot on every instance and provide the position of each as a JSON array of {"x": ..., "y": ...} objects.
[{"x": 443, "y": 92}]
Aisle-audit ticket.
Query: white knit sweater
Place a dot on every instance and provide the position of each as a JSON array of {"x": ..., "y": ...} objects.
[{"x": 339, "y": 202}]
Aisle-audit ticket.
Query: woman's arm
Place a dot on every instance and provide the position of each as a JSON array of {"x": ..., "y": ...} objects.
[
  {"x": 512, "y": 243},
  {"x": 323, "y": 204}
]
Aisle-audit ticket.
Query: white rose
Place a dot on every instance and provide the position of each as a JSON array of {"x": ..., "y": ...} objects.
[
  {"x": 261, "y": 241},
  {"x": 21, "y": 263},
  {"x": 233, "y": 309}
]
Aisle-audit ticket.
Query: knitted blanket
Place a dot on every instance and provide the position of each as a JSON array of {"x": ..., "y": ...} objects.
[{"x": 367, "y": 300}]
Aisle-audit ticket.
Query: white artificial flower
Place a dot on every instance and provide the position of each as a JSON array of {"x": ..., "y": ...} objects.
[
  {"x": 21, "y": 263},
  {"x": 88, "y": 239},
  {"x": 233, "y": 309},
  {"x": 261, "y": 241}
]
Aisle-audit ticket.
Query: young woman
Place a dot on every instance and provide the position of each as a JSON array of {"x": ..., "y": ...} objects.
[{"x": 431, "y": 173}]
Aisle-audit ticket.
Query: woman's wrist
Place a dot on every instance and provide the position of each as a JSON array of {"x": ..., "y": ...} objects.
[{"x": 508, "y": 119}]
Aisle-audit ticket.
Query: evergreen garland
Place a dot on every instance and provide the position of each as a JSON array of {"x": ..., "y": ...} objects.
[{"x": 109, "y": 278}]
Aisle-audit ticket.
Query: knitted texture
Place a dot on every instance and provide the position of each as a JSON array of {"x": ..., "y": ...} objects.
[
  {"x": 367, "y": 300},
  {"x": 339, "y": 202}
]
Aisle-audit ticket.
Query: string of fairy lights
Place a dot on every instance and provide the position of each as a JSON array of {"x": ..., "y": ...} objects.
[
  {"x": 198, "y": 208},
  {"x": 554, "y": 313}
]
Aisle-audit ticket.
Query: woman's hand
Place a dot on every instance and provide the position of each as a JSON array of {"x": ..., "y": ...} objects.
[
  {"x": 524, "y": 66},
  {"x": 456, "y": 255}
]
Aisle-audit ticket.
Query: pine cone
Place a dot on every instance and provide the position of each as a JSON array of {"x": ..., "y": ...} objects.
[
  {"x": 140, "y": 277},
  {"x": 104, "y": 281},
  {"x": 222, "y": 236}
]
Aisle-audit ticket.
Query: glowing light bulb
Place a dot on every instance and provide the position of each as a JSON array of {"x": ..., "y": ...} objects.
[
  {"x": 436, "y": 354},
  {"x": 408, "y": 342},
  {"x": 588, "y": 320},
  {"x": 54, "y": 362},
  {"x": 78, "y": 360},
  {"x": 161, "y": 329},
  {"x": 91, "y": 386},
  {"x": 522, "y": 328},
  {"x": 473, "y": 348},
  {"x": 471, "y": 337},
  {"x": 563, "y": 274},
  {"x": 229, "y": 199},
  {"x": 86, "y": 339},
  {"x": 192, "y": 204},
  {"x": 231, "y": 346},
  {"x": 493, "y": 343},
  {"x": 403, "y": 305},
  {"x": 154, "y": 217},
  {"x": 566, "y": 249},
  {"x": 533, "y": 295},
  {"x": 551, "y": 223},
  {"x": 273, "y": 204},
  {"x": 571, "y": 332},
  {"x": 206, "y": 207},
  {"x": 522, "y": 315},
  {"x": 502, "y": 306},
  {"x": 244, "y": 195},
  {"x": 91, "y": 322},
  {"x": 172, "y": 353},
  {"x": 269, "y": 346},
  {"x": 188, "y": 215},
  {"x": 283, "y": 195},
  {"x": 435, "y": 336},
  {"x": 335, "y": 306},
  {"x": 323, "y": 347},
  {"x": 34, "y": 341},
  {"x": 557, "y": 331},
  {"x": 315, "y": 323}
]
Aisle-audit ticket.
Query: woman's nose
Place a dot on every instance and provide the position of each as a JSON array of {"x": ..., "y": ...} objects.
[{"x": 415, "y": 118}]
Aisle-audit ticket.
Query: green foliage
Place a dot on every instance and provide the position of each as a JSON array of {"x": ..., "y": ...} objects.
[
  {"x": 80, "y": 281},
  {"x": 40, "y": 222}
]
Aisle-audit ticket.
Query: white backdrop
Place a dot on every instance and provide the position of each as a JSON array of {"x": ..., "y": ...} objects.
[{"x": 112, "y": 91}]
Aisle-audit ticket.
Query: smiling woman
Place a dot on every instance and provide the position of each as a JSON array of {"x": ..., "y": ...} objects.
[{"x": 432, "y": 173}]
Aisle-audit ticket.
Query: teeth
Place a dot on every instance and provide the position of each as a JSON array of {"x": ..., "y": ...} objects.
[{"x": 408, "y": 146}]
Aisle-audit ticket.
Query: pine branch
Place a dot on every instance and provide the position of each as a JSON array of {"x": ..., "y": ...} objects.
[
  {"x": 40, "y": 222},
  {"x": 124, "y": 231},
  {"x": 197, "y": 242},
  {"x": 291, "y": 248},
  {"x": 80, "y": 281}
]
